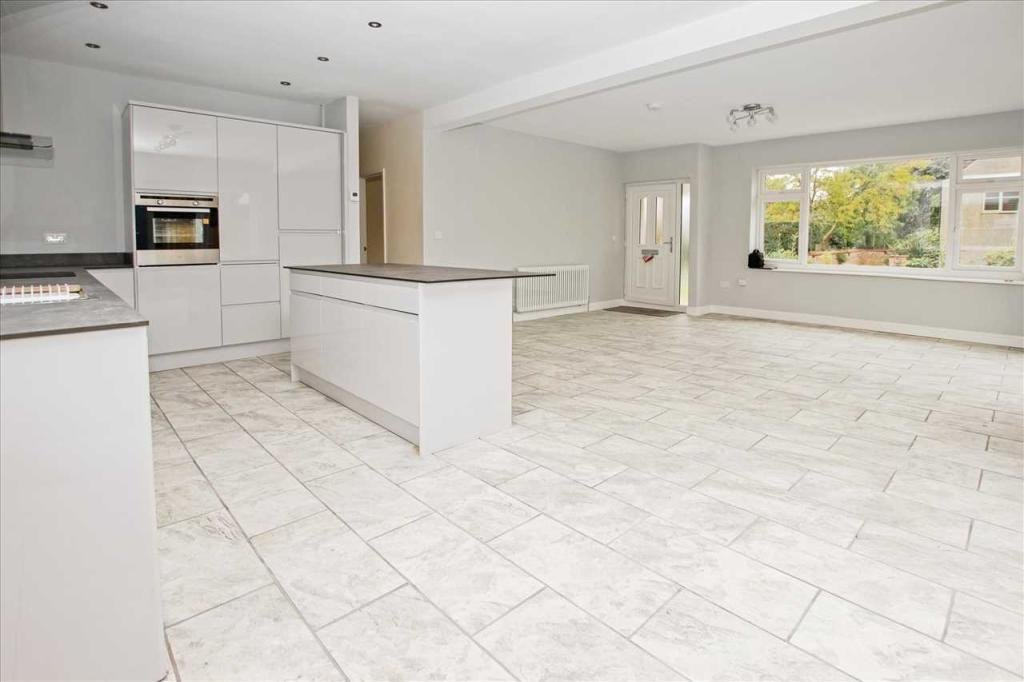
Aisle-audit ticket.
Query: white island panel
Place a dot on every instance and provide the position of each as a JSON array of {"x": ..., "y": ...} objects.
[{"x": 430, "y": 361}]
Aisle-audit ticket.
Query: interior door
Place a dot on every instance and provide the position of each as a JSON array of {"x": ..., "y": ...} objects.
[{"x": 652, "y": 240}]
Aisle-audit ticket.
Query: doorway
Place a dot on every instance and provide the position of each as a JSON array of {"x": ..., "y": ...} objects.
[
  {"x": 657, "y": 242},
  {"x": 375, "y": 241}
]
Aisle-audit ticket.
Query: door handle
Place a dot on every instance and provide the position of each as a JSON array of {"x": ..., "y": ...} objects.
[{"x": 671, "y": 244}]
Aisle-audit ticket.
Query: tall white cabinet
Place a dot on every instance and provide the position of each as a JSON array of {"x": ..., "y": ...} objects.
[
  {"x": 280, "y": 203},
  {"x": 173, "y": 151},
  {"x": 309, "y": 180},
  {"x": 247, "y": 185}
]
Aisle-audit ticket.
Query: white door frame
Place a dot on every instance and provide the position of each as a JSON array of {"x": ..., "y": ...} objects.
[
  {"x": 382, "y": 174},
  {"x": 678, "y": 243}
]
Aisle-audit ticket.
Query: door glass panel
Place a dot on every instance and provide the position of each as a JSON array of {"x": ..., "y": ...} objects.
[
  {"x": 659, "y": 218},
  {"x": 991, "y": 168},
  {"x": 781, "y": 230},
  {"x": 988, "y": 236},
  {"x": 642, "y": 228}
]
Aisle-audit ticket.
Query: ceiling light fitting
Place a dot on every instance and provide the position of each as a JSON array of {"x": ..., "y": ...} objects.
[
  {"x": 99, "y": 5},
  {"x": 375, "y": 24},
  {"x": 323, "y": 59},
  {"x": 92, "y": 46},
  {"x": 286, "y": 83},
  {"x": 749, "y": 113}
]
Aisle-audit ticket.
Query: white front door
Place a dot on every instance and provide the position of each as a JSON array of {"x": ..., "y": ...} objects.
[{"x": 652, "y": 237}]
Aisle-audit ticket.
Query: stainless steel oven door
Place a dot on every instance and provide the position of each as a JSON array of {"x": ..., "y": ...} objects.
[{"x": 176, "y": 230}]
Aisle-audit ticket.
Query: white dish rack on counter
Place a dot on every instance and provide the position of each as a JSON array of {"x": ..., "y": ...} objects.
[{"x": 40, "y": 293}]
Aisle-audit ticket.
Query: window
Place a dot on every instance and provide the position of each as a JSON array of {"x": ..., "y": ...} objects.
[
  {"x": 1001, "y": 202},
  {"x": 936, "y": 213}
]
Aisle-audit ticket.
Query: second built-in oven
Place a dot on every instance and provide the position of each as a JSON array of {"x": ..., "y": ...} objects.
[{"x": 175, "y": 229}]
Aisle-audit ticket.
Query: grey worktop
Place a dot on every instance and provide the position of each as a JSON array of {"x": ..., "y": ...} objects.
[
  {"x": 424, "y": 274},
  {"x": 100, "y": 309}
]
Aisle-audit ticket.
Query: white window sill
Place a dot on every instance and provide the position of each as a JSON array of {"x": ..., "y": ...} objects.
[{"x": 944, "y": 277}]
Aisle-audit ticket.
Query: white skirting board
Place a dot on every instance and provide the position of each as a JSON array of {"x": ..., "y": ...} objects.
[
  {"x": 867, "y": 325},
  {"x": 205, "y": 356}
]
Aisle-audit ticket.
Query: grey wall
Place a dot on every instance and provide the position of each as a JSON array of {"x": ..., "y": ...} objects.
[
  {"x": 80, "y": 190},
  {"x": 503, "y": 199},
  {"x": 992, "y": 308}
]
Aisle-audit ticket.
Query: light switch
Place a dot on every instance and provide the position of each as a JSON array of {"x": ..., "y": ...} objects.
[{"x": 438, "y": 235}]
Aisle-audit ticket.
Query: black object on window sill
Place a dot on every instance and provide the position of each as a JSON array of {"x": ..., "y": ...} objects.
[{"x": 755, "y": 260}]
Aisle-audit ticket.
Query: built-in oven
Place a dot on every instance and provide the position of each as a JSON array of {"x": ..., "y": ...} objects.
[{"x": 175, "y": 229}]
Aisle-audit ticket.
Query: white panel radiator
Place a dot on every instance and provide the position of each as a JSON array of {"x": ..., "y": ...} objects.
[{"x": 569, "y": 287}]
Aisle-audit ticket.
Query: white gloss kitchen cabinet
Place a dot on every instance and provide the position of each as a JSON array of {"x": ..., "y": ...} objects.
[
  {"x": 250, "y": 296},
  {"x": 183, "y": 305},
  {"x": 304, "y": 249},
  {"x": 309, "y": 179},
  {"x": 247, "y": 188},
  {"x": 173, "y": 151}
]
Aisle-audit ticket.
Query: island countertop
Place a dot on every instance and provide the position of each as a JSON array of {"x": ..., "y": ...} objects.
[
  {"x": 423, "y": 274},
  {"x": 100, "y": 309}
]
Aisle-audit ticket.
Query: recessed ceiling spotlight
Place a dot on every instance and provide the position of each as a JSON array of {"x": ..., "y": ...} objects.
[
  {"x": 92, "y": 46},
  {"x": 286, "y": 83},
  {"x": 323, "y": 59},
  {"x": 654, "y": 106},
  {"x": 375, "y": 24},
  {"x": 99, "y": 5}
]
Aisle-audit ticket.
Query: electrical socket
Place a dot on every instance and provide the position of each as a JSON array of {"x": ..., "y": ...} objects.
[
  {"x": 741, "y": 282},
  {"x": 725, "y": 284},
  {"x": 55, "y": 237}
]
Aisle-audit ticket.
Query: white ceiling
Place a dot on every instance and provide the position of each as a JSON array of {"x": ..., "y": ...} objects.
[
  {"x": 954, "y": 60},
  {"x": 426, "y": 53}
]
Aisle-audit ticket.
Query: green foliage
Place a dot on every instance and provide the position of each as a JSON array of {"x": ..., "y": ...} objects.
[
  {"x": 922, "y": 247},
  {"x": 893, "y": 206},
  {"x": 1000, "y": 257},
  {"x": 781, "y": 230}
]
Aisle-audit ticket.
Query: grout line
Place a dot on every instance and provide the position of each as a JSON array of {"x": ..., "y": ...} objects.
[
  {"x": 803, "y": 615},
  {"x": 949, "y": 616},
  {"x": 361, "y": 607},
  {"x": 654, "y": 613},
  {"x": 173, "y": 672}
]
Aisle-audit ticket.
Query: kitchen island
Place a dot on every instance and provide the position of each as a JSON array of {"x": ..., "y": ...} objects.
[
  {"x": 79, "y": 597},
  {"x": 424, "y": 351}
]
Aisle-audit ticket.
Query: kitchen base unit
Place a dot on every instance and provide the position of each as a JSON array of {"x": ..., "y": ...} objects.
[
  {"x": 426, "y": 352},
  {"x": 79, "y": 594}
]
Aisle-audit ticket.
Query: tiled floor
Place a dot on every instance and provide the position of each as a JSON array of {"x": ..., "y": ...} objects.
[{"x": 702, "y": 498}]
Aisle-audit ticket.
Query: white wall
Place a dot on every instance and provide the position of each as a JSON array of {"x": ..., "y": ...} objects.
[
  {"x": 80, "y": 190},
  {"x": 988, "y": 308},
  {"x": 501, "y": 199},
  {"x": 343, "y": 114}
]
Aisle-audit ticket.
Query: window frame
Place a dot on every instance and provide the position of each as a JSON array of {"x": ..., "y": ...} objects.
[
  {"x": 950, "y": 235},
  {"x": 1001, "y": 201}
]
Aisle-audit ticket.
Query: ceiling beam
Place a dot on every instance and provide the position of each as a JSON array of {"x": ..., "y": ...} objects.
[{"x": 748, "y": 28}]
